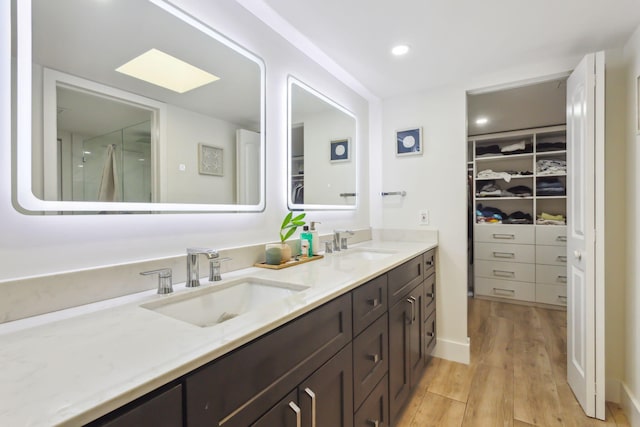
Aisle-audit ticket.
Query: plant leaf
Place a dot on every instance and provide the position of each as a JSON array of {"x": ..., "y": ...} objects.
[
  {"x": 289, "y": 233},
  {"x": 299, "y": 223},
  {"x": 299, "y": 217},
  {"x": 286, "y": 220}
]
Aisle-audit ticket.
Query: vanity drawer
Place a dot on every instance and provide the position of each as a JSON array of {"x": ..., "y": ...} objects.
[
  {"x": 369, "y": 302},
  {"x": 551, "y": 255},
  {"x": 429, "y": 292},
  {"x": 404, "y": 278},
  {"x": 506, "y": 271},
  {"x": 505, "y": 252},
  {"x": 519, "y": 234},
  {"x": 505, "y": 289},
  {"x": 430, "y": 333},
  {"x": 429, "y": 262},
  {"x": 551, "y": 235},
  {"x": 551, "y": 294},
  {"x": 551, "y": 274},
  {"x": 370, "y": 359},
  {"x": 375, "y": 410}
]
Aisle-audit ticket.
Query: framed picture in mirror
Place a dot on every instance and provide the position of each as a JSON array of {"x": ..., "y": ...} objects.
[
  {"x": 340, "y": 150},
  {"x": 210, "y": 160}
]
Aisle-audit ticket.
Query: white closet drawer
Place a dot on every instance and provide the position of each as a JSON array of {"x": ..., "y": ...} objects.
[
  {"x": 551, "y": 274},
  {"x": 520, "y": 234},
  {"x": 551, "y": 294},
  {"x": 552, "y": 235},
  {"x": 505, "y": 289},
  {"x": 551, "y": 255},
  {"x": 519, "y": 272},
  {"x": 505, "y": 252}
]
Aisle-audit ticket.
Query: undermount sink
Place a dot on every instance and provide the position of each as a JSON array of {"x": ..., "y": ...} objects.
[
  {"x": 212, "y": 305},
  {"x": 366, "y": 254}
]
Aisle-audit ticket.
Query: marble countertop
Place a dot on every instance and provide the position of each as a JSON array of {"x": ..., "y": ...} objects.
[{"x": 73, "y": 366}]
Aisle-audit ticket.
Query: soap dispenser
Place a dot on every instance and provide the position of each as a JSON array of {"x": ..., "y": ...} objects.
[
  {"x": 315, "y": 238},
  {"x": 306, "y": 242}
]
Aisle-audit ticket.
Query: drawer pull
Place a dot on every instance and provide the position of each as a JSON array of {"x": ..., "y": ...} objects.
[
  {"x": 504, "y": 255},
  {"x": 562, "y": 279},
  {"x": 373, "y": 302},
  {"x": 373, "y": 357},
  {"x": 296, "y": 409},
  {"x": 505, "y": 292},
  {"x": 504, "y": 236},
  {"x": 561, "y": 238},
  {"x": 312, "y": 395},
  {"x": 503, "y": 273},
  {"x": 374, "y": 423},
  {"x": 412, "y": 300},
  {"x": 429, "y": 262},
  {"x": 430, "y": 294},
  {"x": 562, "y": 299},
  {"x": 561, "y": 258},
  {"x": 431, "y": 334}
]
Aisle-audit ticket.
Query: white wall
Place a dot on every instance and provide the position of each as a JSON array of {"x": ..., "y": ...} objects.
[
  {"x": 35, "y": 244},
  {"x": 631, "y": 392}
]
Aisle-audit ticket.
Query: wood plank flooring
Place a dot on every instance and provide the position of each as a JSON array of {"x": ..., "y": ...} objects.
[{"x": 517, "y": 375}]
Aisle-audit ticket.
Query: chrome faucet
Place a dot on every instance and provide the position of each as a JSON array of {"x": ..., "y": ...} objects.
[
  {"x": 193, "y": 271},
  {"x": 340, "y": 242},
  {"x": 214, "y": 268}
]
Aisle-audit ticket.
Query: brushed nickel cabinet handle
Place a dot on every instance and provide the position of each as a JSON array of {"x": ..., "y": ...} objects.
[
  {"x": 430, "y": 294},
  {"x": 561, "y": 238},
  {"x": 296, "y": 409},
  {"x": 509, "y": 255},
  {"x": 504, "y": 292},
  {"x": 562, "y": 279},
  {"x": 504, "y": 273},
  {"x": 374, "y": 423},
  {"x": 312, "y": 395},
  {"x": 412, "y": 300},
  {"x": 562, "y": 299},
  {"x": 373, "y": 357},
  {"x": 561, "y": 258},
  {"x": 373, "y": 302},
  {"x": 504, "y": 236}
]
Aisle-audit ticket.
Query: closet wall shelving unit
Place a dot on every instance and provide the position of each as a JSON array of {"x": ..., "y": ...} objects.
[{"x": 516, "y": 261}]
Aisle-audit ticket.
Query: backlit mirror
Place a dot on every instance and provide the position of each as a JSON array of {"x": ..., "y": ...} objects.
[
  {"x": 133, "y": 105},
  {"x": 322, "y": 151}
]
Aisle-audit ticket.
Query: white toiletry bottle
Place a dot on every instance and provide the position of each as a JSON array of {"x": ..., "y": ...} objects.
[{"x": 315, "y": 238}]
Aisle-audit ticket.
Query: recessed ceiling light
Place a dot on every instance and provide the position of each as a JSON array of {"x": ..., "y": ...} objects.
[
  {"x": 400, "y": 50},
  {"x": 164, "y": 70},
  {"x": 482, "y": 121}
]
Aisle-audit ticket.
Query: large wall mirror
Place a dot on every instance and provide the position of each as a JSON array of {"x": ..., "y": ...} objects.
[
  {"x": 134, "y": 106},
  {"x": 322, "y": 151}
]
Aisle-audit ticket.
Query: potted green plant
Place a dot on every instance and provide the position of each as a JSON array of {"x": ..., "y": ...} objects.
[{"x": 279, "y": 253}]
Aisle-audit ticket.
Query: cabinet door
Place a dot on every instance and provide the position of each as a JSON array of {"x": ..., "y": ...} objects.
[
  {"x": 374, "y": 412},
  {"x": 285, "y": 413},
  {"x": 399, "y": 362},
  {"x": 416, "y": 335},
  {"x": 163, "y": 410},
  {"x": 326, "y": 397},
  {"x": 370, "y": 359}
]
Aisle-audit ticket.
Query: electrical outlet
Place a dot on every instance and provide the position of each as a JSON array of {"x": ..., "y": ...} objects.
[{"x": 423, "y": 217}]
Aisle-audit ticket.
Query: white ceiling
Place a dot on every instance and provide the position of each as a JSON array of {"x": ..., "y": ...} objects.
[{"x": 453, "y": 40}]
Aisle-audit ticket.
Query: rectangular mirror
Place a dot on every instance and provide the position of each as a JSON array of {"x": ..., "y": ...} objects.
[
  {"x": 322, "y": 151},
  {"x": 134, "y": 106}
]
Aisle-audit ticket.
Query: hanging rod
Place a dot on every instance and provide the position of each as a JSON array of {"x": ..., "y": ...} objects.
[
  {"x": 347, "y": 194},
  {"x": 394, "y": 193}
]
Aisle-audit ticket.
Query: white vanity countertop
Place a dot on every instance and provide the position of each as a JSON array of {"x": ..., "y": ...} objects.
[{"x": 73, "y": 366}]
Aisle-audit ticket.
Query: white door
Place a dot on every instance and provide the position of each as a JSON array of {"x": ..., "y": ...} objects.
[
  {"x": 585, "y": 294},
  {"x": 248, "y": 167}
]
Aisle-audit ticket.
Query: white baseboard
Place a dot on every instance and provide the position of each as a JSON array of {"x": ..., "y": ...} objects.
[
  {"x": 453, "y": 350},
  {"x": 631, "y": 406}
]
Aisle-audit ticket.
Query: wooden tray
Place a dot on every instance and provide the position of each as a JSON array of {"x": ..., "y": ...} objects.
[{"x": 288, "y": 263}]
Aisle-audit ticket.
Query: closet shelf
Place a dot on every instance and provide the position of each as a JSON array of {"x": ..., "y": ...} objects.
[
  {"x": 512, "y": 177},
  {"x": 551, "y": 153},
  {"x": 551, "y": 174},
  {"x": 551, "y": 197},
  {"x": 504, "y": 198},
  {"x": 506, "y": 157}
]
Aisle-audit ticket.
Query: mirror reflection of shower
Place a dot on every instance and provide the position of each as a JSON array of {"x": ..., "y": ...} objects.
[{"x": 84, "y": 164}]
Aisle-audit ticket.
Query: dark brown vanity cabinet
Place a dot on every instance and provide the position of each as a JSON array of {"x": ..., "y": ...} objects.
[
  {"x": 352, "y": 361},
  {"x": 239, "y": 388}
]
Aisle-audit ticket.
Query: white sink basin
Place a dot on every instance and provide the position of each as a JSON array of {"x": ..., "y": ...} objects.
[
  {"x": 366, "y": 254},
  {"x": 212, "y": 305}
]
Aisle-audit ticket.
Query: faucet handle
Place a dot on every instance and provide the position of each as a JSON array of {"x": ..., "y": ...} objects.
[
  {"x": 165, "y": 285},
  {"x": 214, "y": 268}
]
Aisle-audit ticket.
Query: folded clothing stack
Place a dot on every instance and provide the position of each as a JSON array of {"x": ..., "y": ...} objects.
[
  {"x": 551, "y": 219},
  {"x": 551, "y": 146},
  {"x": 519, "y": 147},
  {"x": 550, "y": 187},
  {"x": 520, "y": 191},
  {"x": 490, "y": 189},
  {"x": 491, "y": 215},
  {"x": 506, "y": 175},
  {"x": 551, "y": 167}
]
